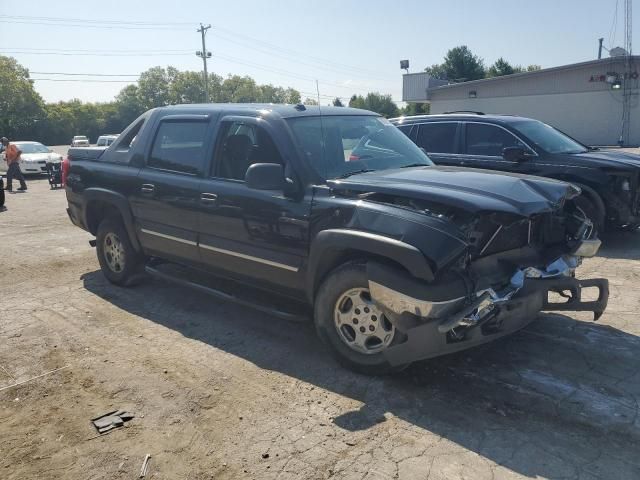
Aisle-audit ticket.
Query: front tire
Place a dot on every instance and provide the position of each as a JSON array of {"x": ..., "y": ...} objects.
[
  {"x": 354, "y": 328},
  {"x": 119, "y": 261},
  {"x": 592, "y": 210}
]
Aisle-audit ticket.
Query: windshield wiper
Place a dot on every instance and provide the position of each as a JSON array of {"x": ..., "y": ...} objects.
[
  {"x": 415, "y": 165},
  {"x": 355, "y": 172}
]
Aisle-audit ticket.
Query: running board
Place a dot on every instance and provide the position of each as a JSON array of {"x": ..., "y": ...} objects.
[{"x": 221, "y": 295}]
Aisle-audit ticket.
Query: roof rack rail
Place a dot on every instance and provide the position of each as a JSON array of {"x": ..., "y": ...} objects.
[{"x": 464, "y": 111}]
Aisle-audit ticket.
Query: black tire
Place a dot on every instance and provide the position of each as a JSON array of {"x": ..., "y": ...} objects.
[
  {"x": 341, "y": 280},
  {"x": 593, "y": 211},
  {"x": 130, "y": 262}
]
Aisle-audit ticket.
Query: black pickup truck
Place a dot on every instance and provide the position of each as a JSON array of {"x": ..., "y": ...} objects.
[{"x": 339, "y": 214}]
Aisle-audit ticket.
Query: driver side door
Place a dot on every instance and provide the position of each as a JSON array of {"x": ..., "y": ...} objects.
[{"x": 246, "y": 233}]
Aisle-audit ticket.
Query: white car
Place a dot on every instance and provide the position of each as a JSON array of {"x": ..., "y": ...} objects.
[
  {"x": 33, "y": 159},
  {"x": 79, "y": 141},
  {"x": 106, "y": 140}
]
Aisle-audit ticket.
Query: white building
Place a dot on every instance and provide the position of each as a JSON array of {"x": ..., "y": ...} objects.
[{"x": 585, "y": 100}]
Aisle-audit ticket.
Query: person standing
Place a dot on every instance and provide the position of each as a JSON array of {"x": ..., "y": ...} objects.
[{"x": 12, "y": 157}]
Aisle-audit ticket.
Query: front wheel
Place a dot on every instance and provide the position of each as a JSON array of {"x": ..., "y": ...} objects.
[
  {"x": 119, "y": 261},
  {"x": 349, "y": 322},
  {"x": 592, "y": 210}
]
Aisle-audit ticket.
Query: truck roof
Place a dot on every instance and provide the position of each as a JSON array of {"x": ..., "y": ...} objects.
[{"x": 282, "y": 110}]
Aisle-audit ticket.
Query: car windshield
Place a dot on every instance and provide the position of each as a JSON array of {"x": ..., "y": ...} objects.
[
  {"x": 548, "y": 138},
  {"x": 32, "y": 148},
  {"x": 338, "y": 146}
]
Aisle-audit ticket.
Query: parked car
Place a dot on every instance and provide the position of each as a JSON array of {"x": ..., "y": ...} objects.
[
  {"x": 33, "y": 159},
  {"x": 609, "y": 180},
  {"x": 340, "y": 215},
  {"x": 79, "y": 141},
  {"x": 105, "y": 140}
]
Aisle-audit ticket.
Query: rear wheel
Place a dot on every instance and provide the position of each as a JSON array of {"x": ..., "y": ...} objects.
[
  {"x": 349, "y": 322},
  {"x": 119, "y": 261}
]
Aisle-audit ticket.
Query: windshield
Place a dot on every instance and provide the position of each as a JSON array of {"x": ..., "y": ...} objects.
[
  {"x": 548, "y": 138},
  {"x": 337, "y": 146},
  {"x": 32, "y": 148}
]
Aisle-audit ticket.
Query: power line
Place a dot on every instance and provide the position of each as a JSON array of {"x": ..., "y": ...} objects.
[
  {"x": 94, "y": 50},
  {"x": 89, "y": 74},
  {"x": 83, "y": 80},
  {"x": 109, "y": 27},
  {"x": 93, "y": 20},
  {"x": 104, "y": 54}
]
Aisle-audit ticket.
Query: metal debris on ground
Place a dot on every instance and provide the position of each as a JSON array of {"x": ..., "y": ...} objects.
[
  {"x": 145, "y": 466},
  {"x": 111, "y": 420}
]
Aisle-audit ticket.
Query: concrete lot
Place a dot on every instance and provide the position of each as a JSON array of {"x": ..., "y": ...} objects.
[{"x": 221, "y": 391}]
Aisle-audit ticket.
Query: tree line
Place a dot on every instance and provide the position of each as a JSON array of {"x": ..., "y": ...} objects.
[{"x": 461, "y": 65}]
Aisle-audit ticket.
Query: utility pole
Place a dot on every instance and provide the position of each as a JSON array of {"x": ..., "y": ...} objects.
[
  {"x": 600, "y": 40},
  {"x": 204, "y": 54}
]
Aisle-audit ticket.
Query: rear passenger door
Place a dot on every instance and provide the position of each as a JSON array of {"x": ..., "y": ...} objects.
[
  {"x": 166, "y": 201},
  {"x": 483, "y": 144},
  {"x": 252, "y": 234},
  {"x": 440, "y": 140}
]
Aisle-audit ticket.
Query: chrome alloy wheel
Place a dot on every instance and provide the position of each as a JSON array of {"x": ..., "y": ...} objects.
[
  {"x": 114, "y": 252},
  {"x": 360, "y": 323}
]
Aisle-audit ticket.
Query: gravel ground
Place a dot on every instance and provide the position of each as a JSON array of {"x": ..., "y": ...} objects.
[{"x": 221, "y": 391}]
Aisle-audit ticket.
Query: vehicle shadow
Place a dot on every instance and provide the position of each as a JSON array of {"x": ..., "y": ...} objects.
[
  {"x": 621, "y": 245},
  {"x": 554, "y": 399}
]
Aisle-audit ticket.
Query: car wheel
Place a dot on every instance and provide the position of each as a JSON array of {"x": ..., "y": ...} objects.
[
  {"x": 592, "y": 211},
  {"x": 349, "y": 322},
  {"x": 119, "y": 261}
]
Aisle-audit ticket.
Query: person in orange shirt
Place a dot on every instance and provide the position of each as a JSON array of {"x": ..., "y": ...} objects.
[{"x": 12, "y": 157}]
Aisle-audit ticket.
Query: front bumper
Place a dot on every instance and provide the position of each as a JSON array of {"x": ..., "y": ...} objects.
[{"x": 435, "y": 326}]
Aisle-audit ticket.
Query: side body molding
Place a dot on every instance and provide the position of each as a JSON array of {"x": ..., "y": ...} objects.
[{"x": 328, "y": 242}]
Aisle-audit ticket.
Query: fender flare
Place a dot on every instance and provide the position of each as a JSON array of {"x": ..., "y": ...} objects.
[
  {"x": 118, "y": 201},
  {"x": 400, "y": 252}
]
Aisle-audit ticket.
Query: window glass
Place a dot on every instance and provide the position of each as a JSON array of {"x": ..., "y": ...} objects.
[
  {"x": 548, "y": 138},
  {"x": 339, "y": 146},
  {"x": 32, "y": 148},
  {"x": 406, "y": 129},
  {"x": 489, "y": 140},
  {"x": 240, "y": 146},
  {"x": 438, "y": 137},
  {"x": 179, "y": 146}
]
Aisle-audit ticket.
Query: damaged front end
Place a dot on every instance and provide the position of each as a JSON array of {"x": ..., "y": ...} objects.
[{"x": 511, "y": 269}]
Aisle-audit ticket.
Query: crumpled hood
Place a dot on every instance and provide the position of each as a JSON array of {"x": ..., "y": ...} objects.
[
  {"x": 472, "y": 190},
  {"x": 609, "y": 158}
]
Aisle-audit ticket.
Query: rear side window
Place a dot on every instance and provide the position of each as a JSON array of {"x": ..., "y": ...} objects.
[
  {"x": 489, "y": 140},
  {"x": 179, "y": 147},
  {"x": 437, "y": 137},
  {"x": 406, "y": 129}
]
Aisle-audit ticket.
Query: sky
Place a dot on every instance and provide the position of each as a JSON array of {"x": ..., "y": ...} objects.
[{"x": 349, "y": 46}]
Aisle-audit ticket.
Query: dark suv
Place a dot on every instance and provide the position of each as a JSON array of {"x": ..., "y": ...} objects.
[
  {"x": 341, "y": 216},
  {"x": 608, "y": 179}
]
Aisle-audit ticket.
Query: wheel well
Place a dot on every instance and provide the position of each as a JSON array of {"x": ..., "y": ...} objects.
[
  {"x": 333, "y": 258},
  {"x": 97, "y": 211}
]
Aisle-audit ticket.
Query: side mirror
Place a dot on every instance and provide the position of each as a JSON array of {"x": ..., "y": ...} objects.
[
  {"x": 265, "y": 176},
  {"x": 514, "y": 154}
]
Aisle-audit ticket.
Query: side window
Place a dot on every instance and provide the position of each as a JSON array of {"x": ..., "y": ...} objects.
[
  {"x": 179, "y": 146},
  {"x": 240, "y": 145},
  {"x": 485, "y": 139},
  {"x": 406, "y": 129},
  {"x": 437, "y": 137},
  {"x": 126, "y": 142}
]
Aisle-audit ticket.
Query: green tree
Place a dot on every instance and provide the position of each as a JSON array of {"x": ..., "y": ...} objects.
[
  {"x": 416, "y": 109},
  {"x": 502, "y": 67},
  {"x": 533, "y": 68},
  {"x": 460, "y": 65},
  {"x": 337, "y": 102},
  {"x": 376, "y": 102},
  {"x": 21, "y": 107},
  {"x": 310, "y": 101}
]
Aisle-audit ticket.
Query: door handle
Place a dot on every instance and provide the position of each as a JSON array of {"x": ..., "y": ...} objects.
[
  {"x": 208, "y": 198},
  {"x": 147, "y": 188}
]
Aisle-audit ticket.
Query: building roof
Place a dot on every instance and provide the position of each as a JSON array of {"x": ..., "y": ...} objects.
[{"x": 542, "y": 71}]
